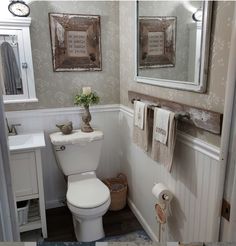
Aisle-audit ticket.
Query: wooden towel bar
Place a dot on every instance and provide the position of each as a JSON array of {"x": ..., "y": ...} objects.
[{"x": 201, "y": 118}]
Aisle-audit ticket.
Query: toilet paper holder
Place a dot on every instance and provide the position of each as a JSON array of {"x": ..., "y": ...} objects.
[
  {"x": 165, "y": 197},
  {"x": 162, "y": 193}
]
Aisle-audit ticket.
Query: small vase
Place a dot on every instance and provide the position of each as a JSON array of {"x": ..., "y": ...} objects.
[{"x": 86, "y": 118}]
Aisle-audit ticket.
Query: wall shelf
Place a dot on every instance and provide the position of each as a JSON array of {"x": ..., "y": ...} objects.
[
  {"x": 201, "y": 118},
  {"x": 31, "y": 226},
  {"x": 34, "y": 219}
]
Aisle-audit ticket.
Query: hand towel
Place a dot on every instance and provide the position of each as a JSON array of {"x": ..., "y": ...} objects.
[
  {"x": 164, "y": 153},
  {"x": 139, "y": 108},
  {"x": 2, "y": 86},
  {"x": 11, "y": 73},
  {"x": 161, "y": 126},
  {"x": 140, "y": 136}
]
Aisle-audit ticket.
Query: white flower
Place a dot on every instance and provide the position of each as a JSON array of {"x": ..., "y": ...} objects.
[{"x": 87, "y": 90}]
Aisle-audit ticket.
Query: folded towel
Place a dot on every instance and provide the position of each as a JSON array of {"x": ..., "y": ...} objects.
[
  {"x": 164, "y": 153},
  {"x": 140, "y": 136},
  {"x": 139, "y": 108},
  {"x": 161, "y": 127}
]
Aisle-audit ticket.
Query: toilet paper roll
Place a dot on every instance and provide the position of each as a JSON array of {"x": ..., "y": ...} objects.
[{"x": 162, "y": 193}]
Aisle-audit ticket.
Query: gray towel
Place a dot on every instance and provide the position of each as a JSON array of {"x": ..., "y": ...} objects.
[
  {"x": 11, "y": 73},
  {"x": 164, "y": 153},
  {"x": 2, "y": 86}
]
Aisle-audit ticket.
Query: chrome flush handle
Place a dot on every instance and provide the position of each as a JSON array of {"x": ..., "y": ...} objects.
[
  {"x": 24, "y": 65},
  {"x": 60, "y": 148}
]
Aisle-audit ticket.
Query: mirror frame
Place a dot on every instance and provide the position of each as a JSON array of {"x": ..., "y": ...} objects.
[
  {"x": 20, "y": 27},
  {"x": 201, "y": 85}
]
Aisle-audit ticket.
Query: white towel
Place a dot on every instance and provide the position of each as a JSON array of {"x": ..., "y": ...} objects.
[
  {"x": 139, "y": 113},
  {"x": 140, "y": 136},
  {"x": 161, "y": 126},
  {"x": 164, "y": 153}
]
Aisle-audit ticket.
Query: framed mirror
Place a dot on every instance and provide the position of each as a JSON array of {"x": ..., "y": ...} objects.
[
  {"x": 172, "y": 43},
  {"x": 16, "y": 66},
  {"x": 11, "y": 76}
]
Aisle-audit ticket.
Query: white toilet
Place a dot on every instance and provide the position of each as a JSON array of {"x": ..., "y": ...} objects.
[{"x": 88, "y": 198}]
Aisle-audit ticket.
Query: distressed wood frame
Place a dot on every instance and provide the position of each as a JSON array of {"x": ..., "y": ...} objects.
[
  {"x": 165, "y": 26},
  {"x": 75, "y": 42}
]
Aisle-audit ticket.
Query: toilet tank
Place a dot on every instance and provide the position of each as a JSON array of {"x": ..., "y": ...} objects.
[{"x": 77, "y": 152}]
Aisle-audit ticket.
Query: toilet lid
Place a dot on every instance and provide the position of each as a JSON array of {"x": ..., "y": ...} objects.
[
  {"x": 87, "y": 193},
  {"x": 76, "y": 137}
]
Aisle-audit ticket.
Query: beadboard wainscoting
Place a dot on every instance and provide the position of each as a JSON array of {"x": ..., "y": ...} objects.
[
  {"x": 194, "y": 181},
  {"x": 104, "y": 117}
]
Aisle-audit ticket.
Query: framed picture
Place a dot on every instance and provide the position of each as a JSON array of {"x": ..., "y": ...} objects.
[
  {"x": 75, "y": 42},
  {"x": 157, "y": 42}
]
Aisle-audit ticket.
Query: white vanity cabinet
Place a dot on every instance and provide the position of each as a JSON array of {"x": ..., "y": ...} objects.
[
  {"x": 27, "y": 180},
  {"x": 18, "y": 85},
  {"x": 24, "y": 174}
]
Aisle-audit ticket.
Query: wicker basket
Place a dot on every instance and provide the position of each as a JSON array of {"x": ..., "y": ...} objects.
[{"x": 118, "y": 187}]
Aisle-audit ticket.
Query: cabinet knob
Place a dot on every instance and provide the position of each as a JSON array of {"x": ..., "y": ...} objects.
[{"x": 24, "y": 65}]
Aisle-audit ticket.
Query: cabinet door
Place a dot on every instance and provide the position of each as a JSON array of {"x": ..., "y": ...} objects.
[
  {"x": 16, "y": 61},
  {"x": 15, "y": 83},
  {"x": 24, "y": 173}
]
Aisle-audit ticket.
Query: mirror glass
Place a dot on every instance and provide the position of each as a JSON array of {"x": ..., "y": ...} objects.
[
  {"x": 10, "y": 70},
  {"x": 172, "y": 43}
]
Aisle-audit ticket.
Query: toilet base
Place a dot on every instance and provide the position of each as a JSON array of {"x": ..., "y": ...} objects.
[
  {"x": 88, "y": 230},
  {"x": 87, "y": 222}
]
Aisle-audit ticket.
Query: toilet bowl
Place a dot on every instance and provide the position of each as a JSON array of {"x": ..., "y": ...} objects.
[{"x": 88, "y": 198}]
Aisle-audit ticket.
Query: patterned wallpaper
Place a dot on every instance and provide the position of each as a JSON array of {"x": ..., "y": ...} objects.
[
  {"x": 56, "y": 89},
  {"x": 112, "y": 84},
  {"x": 220, "y": 43}
]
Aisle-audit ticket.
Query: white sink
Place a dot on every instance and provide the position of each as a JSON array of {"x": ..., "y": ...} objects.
[
  {"x": 26, "y": 141},
  {"x": 19, "y": 140}
]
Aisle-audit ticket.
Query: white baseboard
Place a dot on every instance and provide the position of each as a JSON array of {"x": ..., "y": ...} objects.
[
  {"x": 55, "y": 203},
  {"x": 142, "y": 221}
]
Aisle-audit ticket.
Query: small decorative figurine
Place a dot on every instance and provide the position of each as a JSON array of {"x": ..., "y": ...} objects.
[
  {"x": 66, "y": 128},
  {"x": 85, "y": 99}
]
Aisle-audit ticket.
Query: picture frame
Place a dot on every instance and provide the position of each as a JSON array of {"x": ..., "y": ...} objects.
[
  {"x": 75, "y": 42},
  {"x": 157, "y": 41}
]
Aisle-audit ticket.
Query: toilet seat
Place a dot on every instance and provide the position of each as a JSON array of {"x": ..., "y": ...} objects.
[
  {"x": 86, "y": 191},
  {"x": 89, "y": 213}
]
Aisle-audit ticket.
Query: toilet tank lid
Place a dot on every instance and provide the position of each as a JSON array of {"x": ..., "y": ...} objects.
[{"x": 77, "y": 136}]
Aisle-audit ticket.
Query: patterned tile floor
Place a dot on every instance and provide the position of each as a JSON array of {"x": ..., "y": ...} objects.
[
  {"x": 139, "y": 236},
  {"x": 138, "y": 244}
]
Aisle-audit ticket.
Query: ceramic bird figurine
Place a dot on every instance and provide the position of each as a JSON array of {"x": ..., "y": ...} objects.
[{"x": 66, "y": 128}]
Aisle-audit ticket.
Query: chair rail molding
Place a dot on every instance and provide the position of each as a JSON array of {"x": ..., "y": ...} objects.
[
  {"x": 195, "y": 143},
  {"x": 61, "y": 111}
]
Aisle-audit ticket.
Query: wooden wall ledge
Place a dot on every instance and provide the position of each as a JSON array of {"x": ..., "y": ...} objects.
[{"x": 201, "y": 118}]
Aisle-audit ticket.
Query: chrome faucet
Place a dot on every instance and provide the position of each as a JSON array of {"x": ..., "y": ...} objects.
[{"x": 12, "y": 129}]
